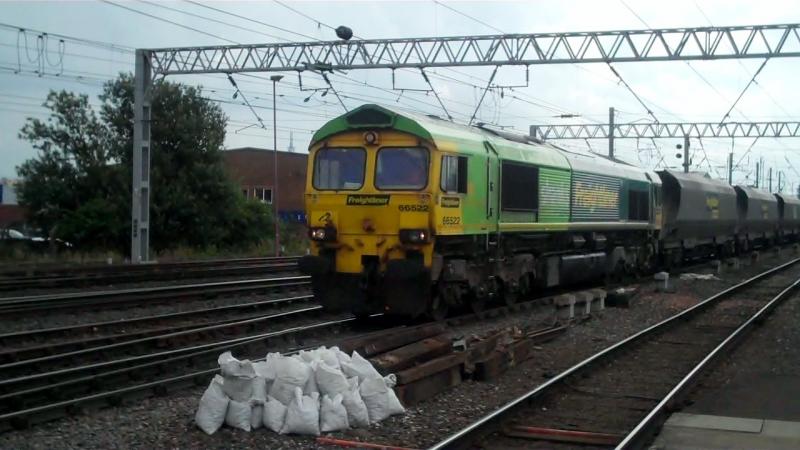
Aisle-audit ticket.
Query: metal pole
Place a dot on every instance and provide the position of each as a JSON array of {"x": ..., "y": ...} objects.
[
  {"x": 611, "y": 132},
  {"x": 730, "y": 168},
  {"x": 140, "y": 201},
  {"x": 758, "y": 173},
  {"x": 276, "y": 216},
  {"x": 686, "y": 154},
  {"x": 770, "y": 179}
]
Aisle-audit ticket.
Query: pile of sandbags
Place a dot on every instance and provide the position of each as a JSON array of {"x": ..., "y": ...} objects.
[{"x": 311, "y": 392}]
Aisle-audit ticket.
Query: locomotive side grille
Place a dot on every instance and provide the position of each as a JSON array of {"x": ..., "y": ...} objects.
[
  {"x": 595, "y": 198},
  {"x": 553, "y": 195}
]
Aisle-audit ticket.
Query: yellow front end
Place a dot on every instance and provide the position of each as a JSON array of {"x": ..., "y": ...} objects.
[{"x": 373, "y": 227}]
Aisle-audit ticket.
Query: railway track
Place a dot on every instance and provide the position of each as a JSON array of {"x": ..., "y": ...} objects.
[
  {"x": 45, "y": 395},
  {"x": 95, "y": 275},
  {"x": 29, "y": 344},
  {"x": 619, "y": 396},
  {"x": 150, "y": 295}
]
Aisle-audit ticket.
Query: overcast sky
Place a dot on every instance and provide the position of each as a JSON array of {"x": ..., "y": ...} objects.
[{"x": 674, "y": 91}]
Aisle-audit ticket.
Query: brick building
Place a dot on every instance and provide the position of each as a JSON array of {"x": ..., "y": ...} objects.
[
  {"x": 252, "y": 169},
  {"x": 11, "y": 214}
]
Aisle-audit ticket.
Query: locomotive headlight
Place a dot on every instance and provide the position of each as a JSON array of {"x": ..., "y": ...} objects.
[
  {"x": 322, "y": 234},
  {"x": 414, "y": 236}
]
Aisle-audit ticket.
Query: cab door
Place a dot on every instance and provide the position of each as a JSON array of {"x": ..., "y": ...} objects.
[{"x": 492, "y": 188}]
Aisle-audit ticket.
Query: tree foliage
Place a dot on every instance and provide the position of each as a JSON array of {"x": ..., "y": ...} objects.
[{"x": 78, "y": 188}]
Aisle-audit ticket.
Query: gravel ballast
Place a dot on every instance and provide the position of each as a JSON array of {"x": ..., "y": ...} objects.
[{"x": 167, "y": 422}]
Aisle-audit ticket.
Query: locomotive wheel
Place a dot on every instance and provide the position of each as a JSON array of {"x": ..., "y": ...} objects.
[{"x": 438, "y": 308}]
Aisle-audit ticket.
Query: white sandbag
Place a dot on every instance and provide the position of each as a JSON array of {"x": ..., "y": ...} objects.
[
  {"x": 213, "y": 406},
  {"x": 341, "y": 356},
  {"x": 391, "y": 380},
  {"x": 259, "y": 390},
  {"x": 330, "y": 380},
  {"x": 270, "y": 366},
  {"x": 329, "y": 357},
  {"x": 238, "y": 415},
  {"x": 302, "y": 414},
  {"x": 230, "y": 366},
  {"x": 357, "y": 415},
  {"x": 311, "y": 385},
  {"x": 381, "y": 401},
  {"x": 274, "y": 414},
  {"x": 239, "y": 376},
  {"x": 290, "y": 373},
  {"x": 257, "y": 417},
  {"x": 359, "y": 367},
  {"x": 307, "y": 356},
  {"x": 332, "y": 414}
]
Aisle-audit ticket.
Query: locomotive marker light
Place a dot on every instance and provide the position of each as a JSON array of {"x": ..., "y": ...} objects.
[
  {"x": 371, "y": 138},
  {"x": 414, "y": 236},
  {"x": 322, "y": 234}
]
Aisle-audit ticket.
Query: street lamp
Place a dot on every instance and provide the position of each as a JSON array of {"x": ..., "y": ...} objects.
[{"x": 276, "y": 217}]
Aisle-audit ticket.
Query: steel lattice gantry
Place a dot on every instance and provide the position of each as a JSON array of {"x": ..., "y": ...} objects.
[
  {"x": 667, "y": 130},
  {"x": 759, "y": 41},
  {"x": 673, "y": 44}
]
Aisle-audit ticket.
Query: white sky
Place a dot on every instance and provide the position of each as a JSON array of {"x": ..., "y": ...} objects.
[{"x": 672, "y": 90}]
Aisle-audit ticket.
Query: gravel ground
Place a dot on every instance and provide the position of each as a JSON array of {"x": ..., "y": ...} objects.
[
  {"x": 65, "y": 317},
  {"x": 168, "y": 422}
]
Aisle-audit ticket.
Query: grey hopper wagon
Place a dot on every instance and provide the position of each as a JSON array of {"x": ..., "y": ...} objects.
[
  {"x": 697, "y": 210},
  {"x": 758, "y": 214}
]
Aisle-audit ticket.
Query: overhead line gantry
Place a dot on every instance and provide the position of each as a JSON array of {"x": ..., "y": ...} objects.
[{"x": 667, "y": 44}]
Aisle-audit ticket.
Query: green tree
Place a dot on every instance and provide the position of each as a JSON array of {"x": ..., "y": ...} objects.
[{"x": 78, "y": 188}]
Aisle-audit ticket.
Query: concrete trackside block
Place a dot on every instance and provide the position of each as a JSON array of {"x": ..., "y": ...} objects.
[
  {"x": 717, "y": 266},
  {"x": 599, "y": 299},
  {"x": 565, "y": 306},
  {"x": 583, "y": 301},
  {"x": 664, "y": 277},
  {"x": 733, "y": 263}
]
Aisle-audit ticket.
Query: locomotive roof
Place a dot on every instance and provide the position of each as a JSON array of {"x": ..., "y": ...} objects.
[{"x": 449, "y": 136}]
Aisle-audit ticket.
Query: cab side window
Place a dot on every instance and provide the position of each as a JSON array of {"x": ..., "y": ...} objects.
[{"x": 454, "y": 174}]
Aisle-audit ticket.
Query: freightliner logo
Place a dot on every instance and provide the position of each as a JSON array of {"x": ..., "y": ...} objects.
[{"x": 367, "y": 200}]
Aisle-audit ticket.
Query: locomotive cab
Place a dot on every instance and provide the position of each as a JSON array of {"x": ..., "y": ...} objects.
[{"x": 369, "y": 203}]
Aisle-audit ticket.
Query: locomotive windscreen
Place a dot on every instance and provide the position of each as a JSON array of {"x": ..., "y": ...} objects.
[
  {"x": 401, "y": 168},
  {"x": 339, "y": 169}
]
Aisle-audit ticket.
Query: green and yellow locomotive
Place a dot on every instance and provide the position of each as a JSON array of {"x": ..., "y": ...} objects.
[{"x": 410, "y": 214}]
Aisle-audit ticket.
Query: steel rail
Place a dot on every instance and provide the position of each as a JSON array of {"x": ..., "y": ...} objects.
[
  {"x": 94, "y": 327},
  {"x": 55, "y": 282},
  {"x": 464, "y": 437},
  {"x": 20, "y": 418},
  {"x": 644, "y": 429},
  {"x": 95, "y": 342},
  {"x": 160, "y": 339},
  {"x": 51, "y": 301},
  {"x": 24, "y": 271},
  {"x": 98, "y": 375}
]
